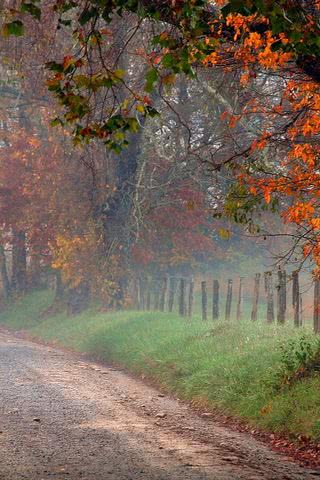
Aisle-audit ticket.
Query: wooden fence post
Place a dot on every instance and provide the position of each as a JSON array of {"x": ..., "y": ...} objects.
[
  {"x": 204, "y": 300},
  {"x": 256, "y": 291},
  {"x": 316, "y": 306},
  {"x": 190, "y": 300},
  {"x": 215, "y": 300},
  {"x": 270, "y": 296},
  {"x": 135, "y": 294},
  {"x": 229, "y": 300},
  {"x": 142, "y": 305},
  {"x": 296, "y": 298},
  {"x": 163, "y": 294},
  {"x": 281, "y": 296},
  {"x": 172, "y": 289},
  {"x": 240, "y": 300},
  {"x": 156, "y": 290},
  {"x": 148, "y": 295},
  {"x": 182, "y": 297}
]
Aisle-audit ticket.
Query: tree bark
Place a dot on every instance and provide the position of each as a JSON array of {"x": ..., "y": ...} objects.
[
  {"x": 78, "y": 298},
  {"x": 35, "y": 277},
  {"x": 59, "y": 287}
]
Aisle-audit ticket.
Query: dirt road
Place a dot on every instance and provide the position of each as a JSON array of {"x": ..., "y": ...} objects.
[{"x": 63, "y": 418}]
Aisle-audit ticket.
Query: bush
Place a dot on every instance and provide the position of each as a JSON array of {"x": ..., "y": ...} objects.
[{"x": 299, "y": 358}]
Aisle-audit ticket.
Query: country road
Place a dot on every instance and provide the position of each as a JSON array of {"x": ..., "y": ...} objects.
[{"x": 65, "y": 418}]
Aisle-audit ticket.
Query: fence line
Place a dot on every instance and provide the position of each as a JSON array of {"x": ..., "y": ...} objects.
[{"x": 170, "y": 290}]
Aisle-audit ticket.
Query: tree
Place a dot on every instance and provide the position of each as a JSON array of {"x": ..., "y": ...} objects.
[{"x": 108, "y": 86}]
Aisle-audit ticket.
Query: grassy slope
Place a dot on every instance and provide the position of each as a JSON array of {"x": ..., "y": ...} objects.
[{"x": 204, "y": 362}]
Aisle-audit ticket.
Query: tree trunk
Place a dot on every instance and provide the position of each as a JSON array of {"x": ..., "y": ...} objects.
[
  {"x": 78, "y": 298},
  {"x": 229, "y": 300},
  {"x": 240, "y": 300},
  {"x": 316, "y": 307},
  {"x": 270, "y": 296},
  {"x": 35, "y": 280},
  {"x": 281, "y": 296},
  {"x": 59, "y": 287},
  {"x": 6, "y": 289},
  {"x": 215, "y": 300},
  {"x": 204, "y": 299},
  {"x": 256, "y": 291},
  {"x": 19, "y": 262},
  {"x": 115, "y": 211}
]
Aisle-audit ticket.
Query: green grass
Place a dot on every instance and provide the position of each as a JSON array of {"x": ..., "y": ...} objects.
[{"x": 229, "y": 367}]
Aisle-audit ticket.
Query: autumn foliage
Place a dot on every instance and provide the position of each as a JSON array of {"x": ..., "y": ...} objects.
[
  {"x": 290, "y": 126},
  {"x": 80, "y": 212}
]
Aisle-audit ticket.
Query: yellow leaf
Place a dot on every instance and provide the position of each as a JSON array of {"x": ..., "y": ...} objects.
[
  {"x": 224, "y": 234},
  {"x": 169, "y": 79},
  {"x": 119, "y": 74}
]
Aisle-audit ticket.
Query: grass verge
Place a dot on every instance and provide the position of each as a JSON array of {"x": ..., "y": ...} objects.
[{"x": 234, "y": 367}]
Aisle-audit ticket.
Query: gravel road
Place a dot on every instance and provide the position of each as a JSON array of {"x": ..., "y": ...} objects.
[{"x": 64, "y": 418}]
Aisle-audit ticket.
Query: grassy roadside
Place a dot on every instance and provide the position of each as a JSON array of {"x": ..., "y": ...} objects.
[{"x": 234, "y": 369}]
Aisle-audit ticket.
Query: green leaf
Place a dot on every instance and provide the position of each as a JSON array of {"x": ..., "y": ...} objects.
[
  {"x": 54, "y": 67},
  {"x": 32, "y": 9},
  {"x": 66, "y": 23},
  {"x": 133, "y": 125},
  {"x": 55, "y": 122},
  {"x": 168, "y": 60},
  {"x": 87, "y": 14},
  {"x": 236, "y": 6},
  {"x": 14, "y": 28},
  {"x": 152, "y": 112},
  {"x": 81, "y": 80},
  {"x": 151, "y": 78}
]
